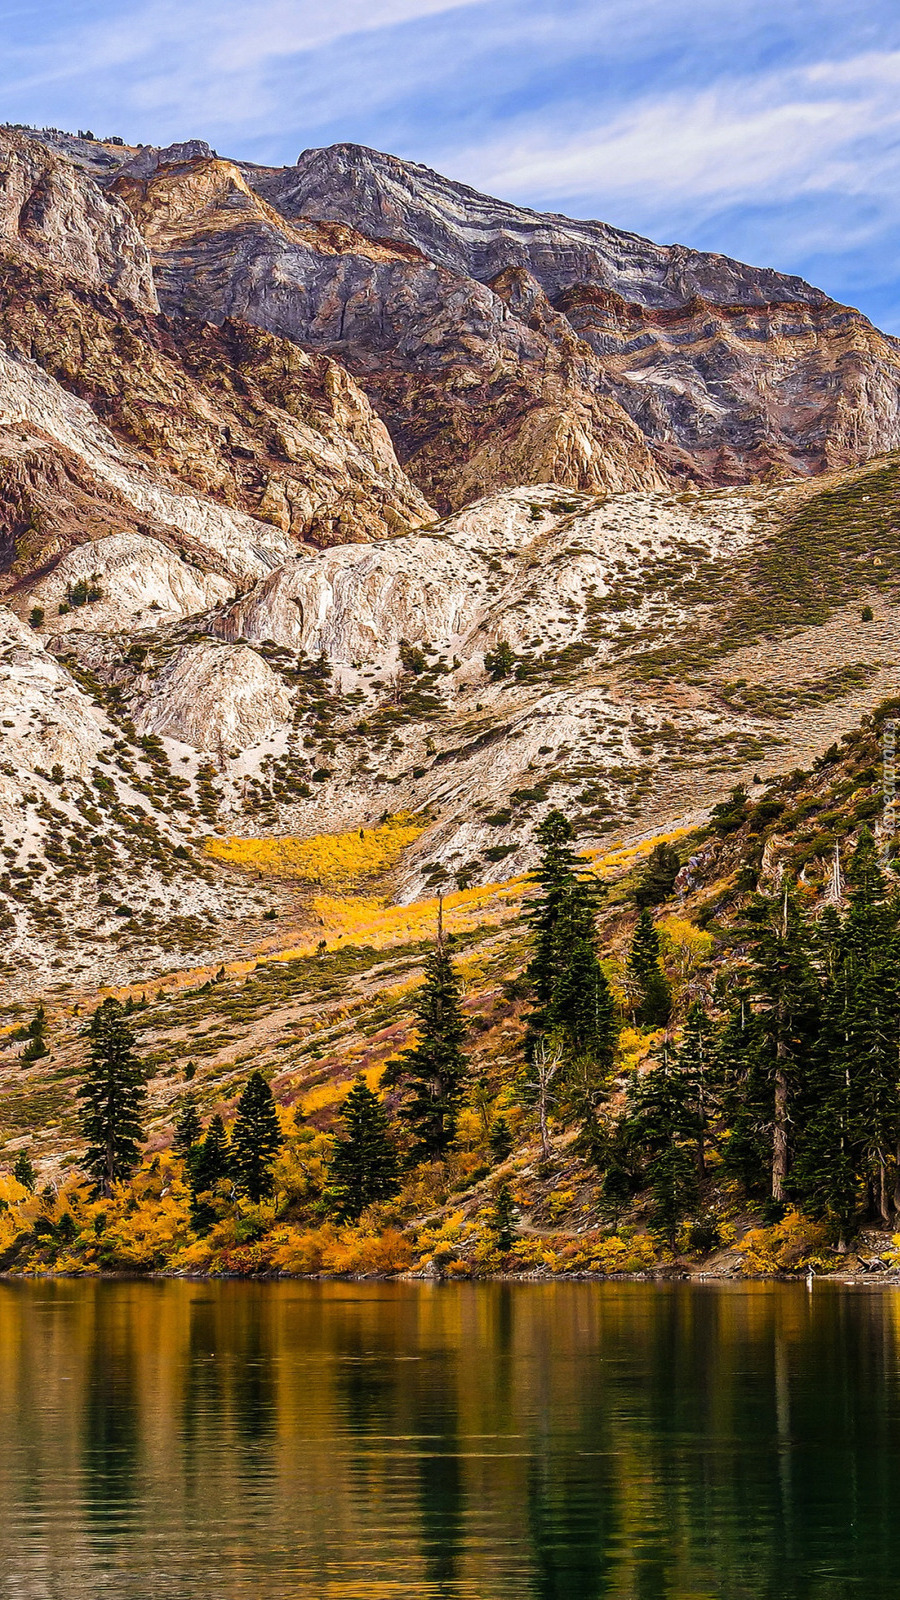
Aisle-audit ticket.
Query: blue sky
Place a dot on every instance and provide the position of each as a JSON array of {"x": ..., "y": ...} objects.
[{"x": 769, "y": 131}]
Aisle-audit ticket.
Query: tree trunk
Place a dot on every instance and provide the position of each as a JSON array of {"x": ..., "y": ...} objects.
[
  {"x": 884, "y": 1203},
  {"x": 780, "y": 1134},
  {"x": 546, "y": 1152}
]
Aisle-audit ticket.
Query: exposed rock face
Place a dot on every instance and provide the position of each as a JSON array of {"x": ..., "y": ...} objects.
[
  {"x": 46, "y": 719},
  {"x": 49, "y": 213},
  {"x": 140, "y": 582},
  {"x": 463, "y": 384},
  {"x": 230, "y": 413},
  {"x": 467, "y": 319},
  {"x": 237, "y": 543},
  {"x": 215, "y": 696}
]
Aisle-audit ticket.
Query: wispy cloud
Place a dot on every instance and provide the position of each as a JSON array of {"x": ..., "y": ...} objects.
[
  {"x": 818, "y": 129},
  {"x": 770, "y": 131}
]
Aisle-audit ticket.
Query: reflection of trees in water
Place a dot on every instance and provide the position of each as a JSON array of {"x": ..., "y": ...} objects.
[
  {"x": 251, "y": 1371},
  {"x": 435, "y": 1420},
  {"x": 567, "y": 1442},
  {"x": 110, "y": 1439}
]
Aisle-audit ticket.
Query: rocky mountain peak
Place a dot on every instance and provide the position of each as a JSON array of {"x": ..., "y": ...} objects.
[{"x": 53, "y": 214}]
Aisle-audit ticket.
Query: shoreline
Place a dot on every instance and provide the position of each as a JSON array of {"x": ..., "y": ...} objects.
[{"x": 661, "y": 1276}]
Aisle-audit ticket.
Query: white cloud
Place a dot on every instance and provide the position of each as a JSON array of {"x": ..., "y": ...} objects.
[{"x": 825, "y": 128}]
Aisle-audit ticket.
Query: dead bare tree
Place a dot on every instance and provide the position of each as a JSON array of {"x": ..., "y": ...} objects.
[{"x": 546, "y": 1061}]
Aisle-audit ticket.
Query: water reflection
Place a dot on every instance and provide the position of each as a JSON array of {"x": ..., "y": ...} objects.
[{"x": 563, "y": 1442}]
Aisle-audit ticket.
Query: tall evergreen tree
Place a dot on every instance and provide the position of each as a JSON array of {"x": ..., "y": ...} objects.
[
  {"x": 187, "y": 1128},
  {"x": 574, "y": 1006},
  {"x": 503, "y": 1219},
  {"x": 435, "y": 1069},
  {"x": 565, "y": 901},
  {"x": 786, "y": 998},
  {"x": 745, "y": 1097},
  {"x": 256, "y": 1139},
  {"x": 210, "y": 1158},
  {"x": 208, "y": 1164},
  {"x": 112, "y": 1097},
  {"x": 659, "y": 876},
  {"x": 364, "y": 1166},
  {"x": 660, "y": 1132},
  {"x": 849, "y": 1144},
  {"x": 695, "y": 1062},
  {"x": 654, "y": 997},
  {"x": 23, "y": 1171}
]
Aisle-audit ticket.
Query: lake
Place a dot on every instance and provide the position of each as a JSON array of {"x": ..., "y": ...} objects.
[{"x": 468, "y": 1441}]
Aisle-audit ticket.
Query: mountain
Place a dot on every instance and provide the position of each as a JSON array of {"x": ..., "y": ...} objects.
[
  {"x": 346, "y": 514},
  {"x": 488, "y": 335}
]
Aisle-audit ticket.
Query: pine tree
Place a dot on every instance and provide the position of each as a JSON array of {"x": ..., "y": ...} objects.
[
  {"x": 560, "y": 905},
  {"x": 659, "y": 877},
  {"x": 34, "y": 1035},
  {"x": 364, "y": 1166},
  {"x": 503, "y": 1219},
  {"x": 113, "y": 1095},
  {"x": 208, "y": 1164},
  {"x": 849, "y": 1142},
  {"x": 256, "y": 1139},
  {"x": 654, "y": 1004},
  {"x": 24, "y": 1172},
  {"x": 500, "y": 1140},
  {"x": 210, "y": 1158},
  {"x": 187, "y": 1129},
  {"x": 787, "y": 1000},
  {"x": 745, "y": 1099},
  {"x": 435, "y": 1069},
  {"x": 660, "y": 1131},
  {"x": 575, "y": 1008},
  {"x": 581, "y": 1006},
  {"x": 695, "y": 1064}
]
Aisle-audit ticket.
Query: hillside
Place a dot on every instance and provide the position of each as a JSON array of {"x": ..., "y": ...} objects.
[{"x": 313, "y": 1017}]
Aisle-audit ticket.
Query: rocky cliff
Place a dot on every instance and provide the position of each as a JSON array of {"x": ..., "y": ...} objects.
[{"x": 490, "y": 336}]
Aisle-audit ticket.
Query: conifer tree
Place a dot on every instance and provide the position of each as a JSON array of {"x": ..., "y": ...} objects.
[
  {"x": 24, "y": 1172},
  {"x": 364, "y": 1166},
  {"x": 209, "y": 1164},
  {"x": 435, "y": 1069},
  {"x": 500, "y": 1140},
  {"x": 654, "y": 1006},
  {"x": 745, "y": 1099},
  {"x": 849, "y": 1143},
  {"x": 660, "y": 1130},
  {"x": 564, "y": 901},
  {"x": 659, "y": 876},
  {"x": 787, "y": 999},
  {"x": 187, "y": 1129},
  {"x": 112, "y": 1097},
  {"x": 34, "y": 1035},
  {"x": 503, "y": 1220},
  {"x": 210, "y": 1159},
  {"x": 574, "y": 1006},
  {"x": 695, "y": 1062},
  {"x": 256, "y": 1139}
]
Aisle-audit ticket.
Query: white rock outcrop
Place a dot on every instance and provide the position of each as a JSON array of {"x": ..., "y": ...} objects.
[{"x": 217, "y": 698}]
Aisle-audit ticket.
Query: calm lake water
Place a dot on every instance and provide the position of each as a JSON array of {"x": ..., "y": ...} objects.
[{"x": 200, "y": 1440}]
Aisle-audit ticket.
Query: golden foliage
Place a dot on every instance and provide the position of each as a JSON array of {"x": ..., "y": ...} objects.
[
  {"x": 333, "y": 860},
  {"x": 791, "y": 1245}
]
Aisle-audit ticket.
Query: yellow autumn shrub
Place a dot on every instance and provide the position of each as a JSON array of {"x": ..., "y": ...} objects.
[
  {"x": 333, "y": 860},
  {"x": 789, "y": 1246}
]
